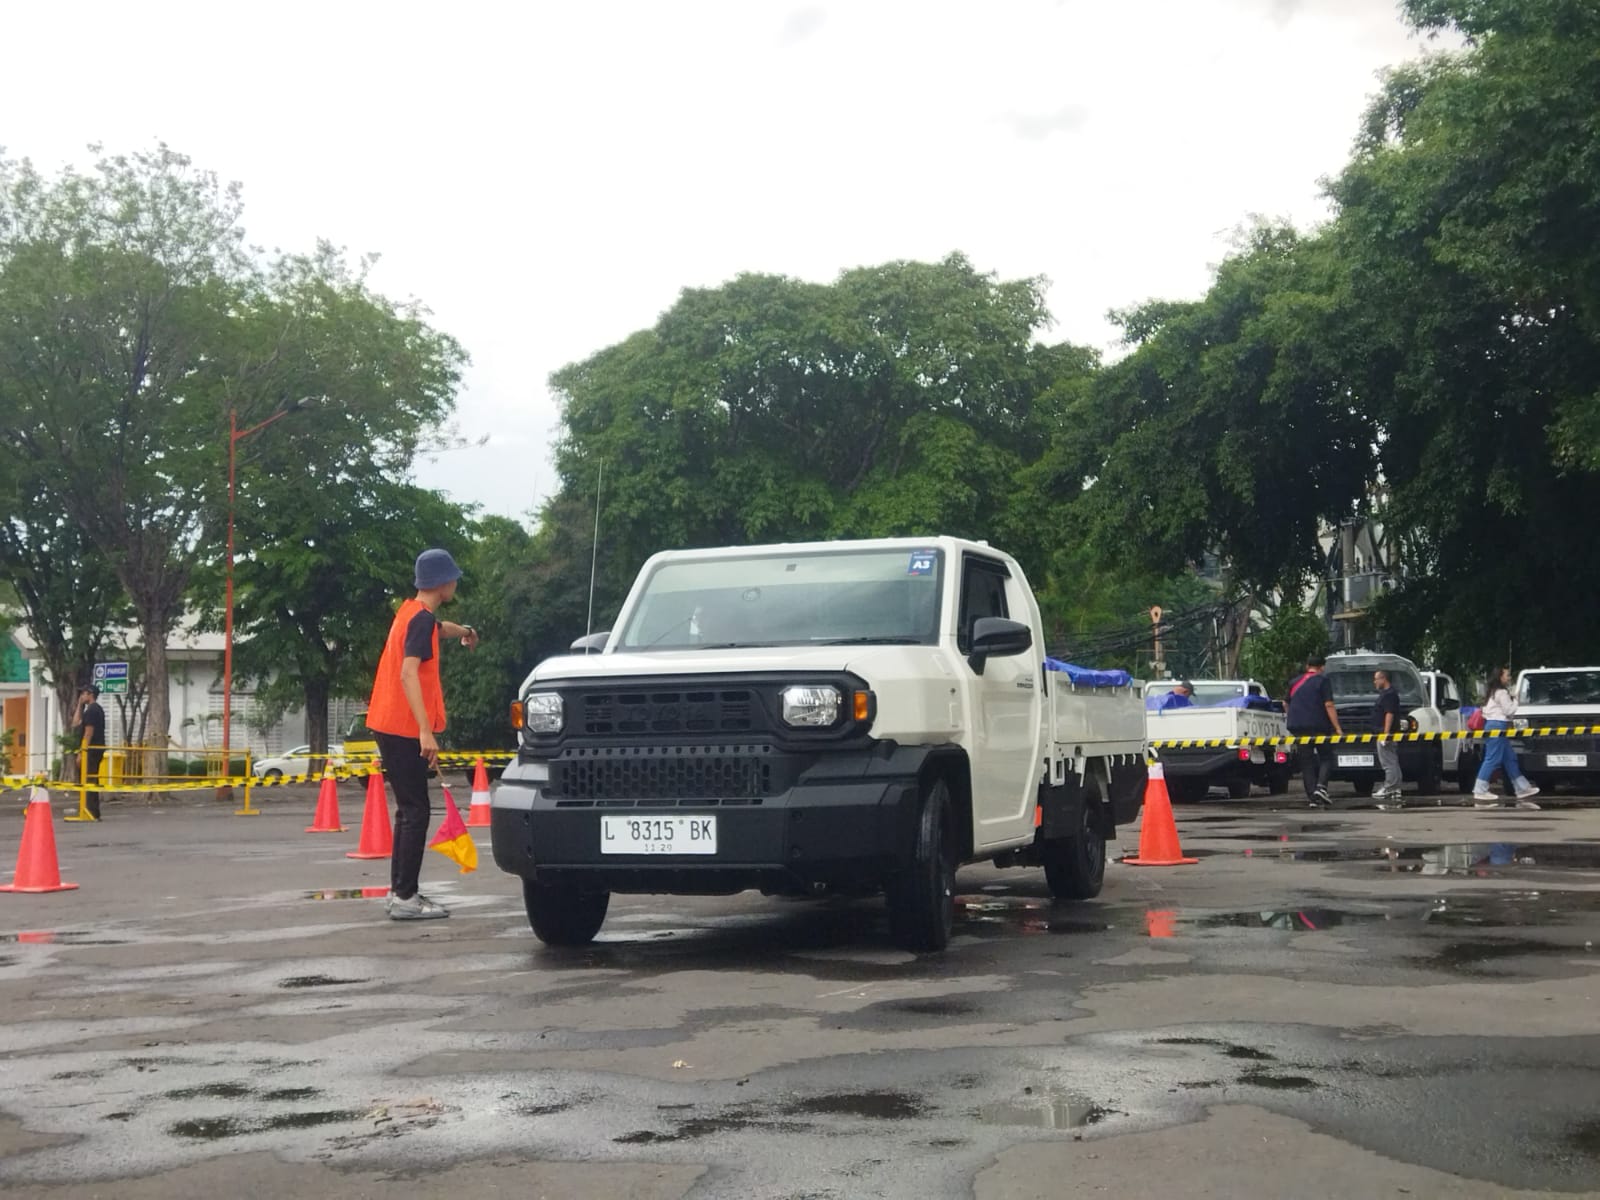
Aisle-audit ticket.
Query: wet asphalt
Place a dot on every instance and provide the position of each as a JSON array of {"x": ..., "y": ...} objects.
[{"x": 1344, "y": 1003}]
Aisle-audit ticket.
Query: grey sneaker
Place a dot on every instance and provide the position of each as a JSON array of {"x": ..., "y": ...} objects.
[
  {"x": 418, "y": 908},
  {"x": 1526, "y": 805},
  {"x": 1527, "y": 791},
  {"x": 1485, "y": 800},
  {"x": 1320, "y": 796}
]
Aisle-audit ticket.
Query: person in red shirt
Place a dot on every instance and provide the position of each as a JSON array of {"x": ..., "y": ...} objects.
[{"x": 406, "y": 715}]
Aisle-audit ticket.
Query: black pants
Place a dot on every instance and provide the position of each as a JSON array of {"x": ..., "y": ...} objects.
[
  {"x": 407, "y": 773},
  {"x": 1316, "y": 767},
  {"x": 91, "y": 771}
]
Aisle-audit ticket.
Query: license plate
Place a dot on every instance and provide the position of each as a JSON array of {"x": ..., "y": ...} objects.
[
  {"x": 658, "y": 835},
  {"x": 1568, "y": 760},
  {"x": 1357, "y": 760}
]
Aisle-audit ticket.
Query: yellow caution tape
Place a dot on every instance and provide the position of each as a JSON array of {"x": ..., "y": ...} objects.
[{"x": 1350, "y": 739}]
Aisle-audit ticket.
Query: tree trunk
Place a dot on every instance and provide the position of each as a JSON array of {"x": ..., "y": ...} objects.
[
  {"x": 158, "y": 725},
  {"x": 66, "y": 689},
  {"x": 316, "y": 696}
]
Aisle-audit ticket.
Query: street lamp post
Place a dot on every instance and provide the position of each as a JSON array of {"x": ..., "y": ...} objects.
[{"x": 235, "y": 435}]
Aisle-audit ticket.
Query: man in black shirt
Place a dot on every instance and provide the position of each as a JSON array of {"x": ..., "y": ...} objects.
[
  {"x": 92, "y": 720},
  {"x": 1386, "y": 720},
  {"x": 1311, "y": 714}
]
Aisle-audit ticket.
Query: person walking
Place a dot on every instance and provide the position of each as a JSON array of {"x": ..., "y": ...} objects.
[
  {"x": 406, "y": 715},
  {"x": 91, "y": 719},
  {"x": 1386, "y": 722},
  {"x": 1499, "y": 708},
  {"x": 1311, "y": 714}
]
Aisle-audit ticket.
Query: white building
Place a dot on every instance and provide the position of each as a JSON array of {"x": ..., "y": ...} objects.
[{"x": 194, "y": 686}]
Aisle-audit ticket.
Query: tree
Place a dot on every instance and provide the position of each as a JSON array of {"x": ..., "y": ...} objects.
[
  {"x": 1467, "y": 224},
  {"x": 1229, "y": 428},
  {"x": 904, "y": 399},
  {"x": 117, "y": 287},
  {"x": 327, "y": 525},
  {"x": 1278, "y": 653}
]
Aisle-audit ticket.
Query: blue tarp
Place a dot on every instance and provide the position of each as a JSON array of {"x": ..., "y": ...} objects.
[
  {"x": 1084, "y": 677},
  {"x": 1257, "y": 703},
  {"x": 1167, "y": 701}
]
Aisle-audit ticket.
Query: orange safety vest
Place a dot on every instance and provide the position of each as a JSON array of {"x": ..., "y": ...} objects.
[{"x": 387, "y": 711}]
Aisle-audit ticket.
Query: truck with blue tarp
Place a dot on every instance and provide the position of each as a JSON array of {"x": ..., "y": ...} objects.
[
  {"x": 815, "y": 719},
  {"x": 1218, "y": 713}
]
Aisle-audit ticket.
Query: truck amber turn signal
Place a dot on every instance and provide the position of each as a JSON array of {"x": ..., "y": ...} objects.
[
  {"x": 863, "y": 705},
  {"x": 516, "y": 714}
]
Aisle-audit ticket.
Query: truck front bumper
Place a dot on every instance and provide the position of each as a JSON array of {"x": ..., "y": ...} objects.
[{"x": 839, "y": 824}]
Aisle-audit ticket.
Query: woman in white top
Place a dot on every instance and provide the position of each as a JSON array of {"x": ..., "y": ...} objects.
[{"x": 1499, "y": 707}]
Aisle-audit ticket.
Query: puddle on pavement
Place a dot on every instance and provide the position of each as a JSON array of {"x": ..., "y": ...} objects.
[
  {"x": 876, "y": 1106},
  {"x": 1162, "y": 922},
  {"x": 1463, "y": 858},
  {"x": 1045, "y": 1110},
  {"x": 211, "y": 1129},
  {"x": 212, "y": 1091},
  {"x": 366, "y": 893},
  {"x": 1262, "y": 1078},
  {"x": 1513, "y": 910},
  {"x": 65, "y": 937},
  {"x": 934, "y": 1007},
  {"x": 1230, "y": 1049},
  {"x": 1026, "y": 913},
  {"x": 317, "y": 981},
  {"x": 1475, "y": 957},
  {"x": 1584, "y": 1139},
  {"x": 286, "y": 1095}
]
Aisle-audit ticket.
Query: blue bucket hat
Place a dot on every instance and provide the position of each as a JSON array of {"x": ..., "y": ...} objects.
[{"x": 435, "y": 568}]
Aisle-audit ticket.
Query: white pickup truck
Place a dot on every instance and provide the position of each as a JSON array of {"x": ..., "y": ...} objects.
[
  {"x": 836, "y": 717},
  {"x": 1552, "y": 697},
  {"x": 1227, "y": 709}
]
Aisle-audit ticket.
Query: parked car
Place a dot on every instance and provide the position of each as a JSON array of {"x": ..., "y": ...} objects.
[
  {"x": 1552, "y": 697},
  {"x": 295, "y": 762},
  {"x": 1425, "y": 762}
]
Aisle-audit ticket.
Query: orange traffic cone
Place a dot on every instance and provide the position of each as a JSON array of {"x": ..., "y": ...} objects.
[
  {"x": 478, "y": 812},
  {"x": 377, "y": 838},
  {"x": 1158, "y": 832},
  {"x": 37, "y": 867},
  {"x": 327, "y": 818}
]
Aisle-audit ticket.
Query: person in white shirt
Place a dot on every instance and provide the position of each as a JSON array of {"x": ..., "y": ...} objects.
[{"x": 1499, "y": 707}]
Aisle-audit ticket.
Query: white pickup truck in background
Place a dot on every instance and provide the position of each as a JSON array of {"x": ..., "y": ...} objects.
[
  {"x": 1219, "y": 708},
  {"x": 1424, "y": 708},
  {"x": 1552, "y": 697},
  {"x": 836, "y": 717}
]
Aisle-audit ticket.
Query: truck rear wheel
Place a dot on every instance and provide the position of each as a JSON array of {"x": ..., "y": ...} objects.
[
  {"x": 1187, "y": 789},
  {"x": 1075, "y": 867},
  {"x": 564, "y": 915},
  {"x": 1238, "y": 789},
  {"x": 922, "y": 897}
]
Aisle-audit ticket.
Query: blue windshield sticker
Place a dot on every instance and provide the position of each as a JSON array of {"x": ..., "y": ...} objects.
[{"x": 922, "y": 562}]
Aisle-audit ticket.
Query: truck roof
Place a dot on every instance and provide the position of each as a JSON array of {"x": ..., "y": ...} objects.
[{"x": 935, "y": 542}]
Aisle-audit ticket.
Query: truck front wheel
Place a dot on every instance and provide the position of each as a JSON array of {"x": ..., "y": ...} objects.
[
  {"x": 1075, "y": 867},
  {"x": 922, "y": 897},
  {"x": 564, "y": 915}
]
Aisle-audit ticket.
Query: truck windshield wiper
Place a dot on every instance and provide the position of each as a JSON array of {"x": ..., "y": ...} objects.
[{"x": 883, "y": 640}]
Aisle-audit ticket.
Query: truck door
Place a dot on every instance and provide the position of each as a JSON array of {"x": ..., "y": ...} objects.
[
  {"x": 1449, "y": 703},
  {"x": 1004, "y": 753}
]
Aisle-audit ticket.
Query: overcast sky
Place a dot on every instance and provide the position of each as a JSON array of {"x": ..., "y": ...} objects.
[{"x": 547, "y": 177}]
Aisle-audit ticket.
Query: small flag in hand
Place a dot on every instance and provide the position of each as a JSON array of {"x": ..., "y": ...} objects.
[{"x": 453, "y": 841}]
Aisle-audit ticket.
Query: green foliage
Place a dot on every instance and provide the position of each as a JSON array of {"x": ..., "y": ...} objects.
[
  {"x": 903, "y": 399},
  {"x": 1277, "y": 654}
]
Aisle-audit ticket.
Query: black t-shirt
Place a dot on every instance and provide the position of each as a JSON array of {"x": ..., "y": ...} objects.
[
  {"x": 1307, "y": 709},
  {"x": 419, "y": 636},
  {"x": 1388, "y": 702},
  {"x": 94, "y": 724}
]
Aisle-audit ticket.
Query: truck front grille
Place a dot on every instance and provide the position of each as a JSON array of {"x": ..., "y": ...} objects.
[
  {"x": 723, "y": 710},
  {"x": 662, "y": 773}
]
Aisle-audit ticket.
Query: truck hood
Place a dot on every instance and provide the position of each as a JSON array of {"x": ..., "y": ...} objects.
[{"x": 866, "y": 661}]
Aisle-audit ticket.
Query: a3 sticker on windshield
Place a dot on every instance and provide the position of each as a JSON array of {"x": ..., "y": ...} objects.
[{"x": 922, "y": 562}]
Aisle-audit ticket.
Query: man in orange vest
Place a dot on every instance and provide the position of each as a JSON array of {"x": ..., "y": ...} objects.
[{"x": 405, "y": 714}]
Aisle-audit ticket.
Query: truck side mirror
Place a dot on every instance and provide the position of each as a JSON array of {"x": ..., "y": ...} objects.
[
  {"x": 592, "y": 643},
  {"x": 1449, "y": 704},
  {"x": 996, "y": 637}
]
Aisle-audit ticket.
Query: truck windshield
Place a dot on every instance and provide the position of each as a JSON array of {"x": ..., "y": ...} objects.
[
  {"x": 888, "y": 596},
  {"x": 1561, "y": 687},
  {"x": 1352, "y": 683}
]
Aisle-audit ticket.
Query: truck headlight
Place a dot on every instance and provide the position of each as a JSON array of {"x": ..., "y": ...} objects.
[
  {"x": 811, "y": 707},
  {"x": 543, "y": 712}
]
